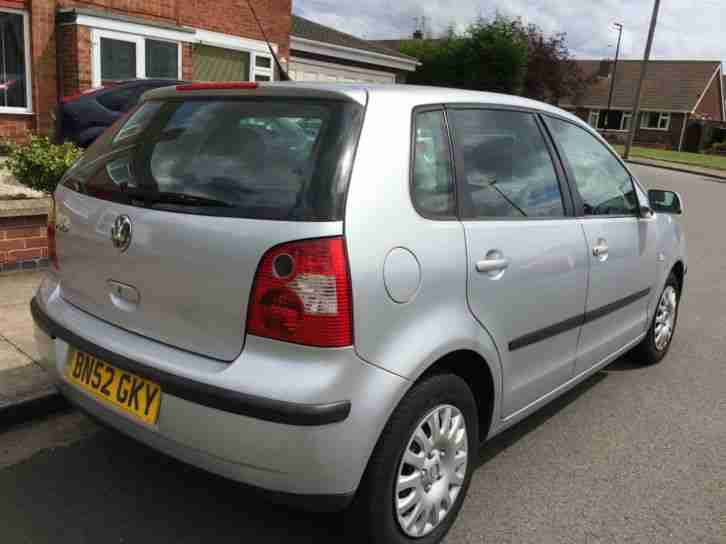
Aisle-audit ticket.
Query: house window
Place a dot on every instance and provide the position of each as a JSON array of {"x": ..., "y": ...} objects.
[
  {"x": 262, "y": 68},
  {"x": 594, "y": 118},
  {"x": 655, "y": 120},
  {"x": 625, "y": 121},
  {"x": 119, "y": 56},
  {"x": 118, "y": 60},
  {"x": 162, "y": 59},
  {"x": 14, "y": 62}
]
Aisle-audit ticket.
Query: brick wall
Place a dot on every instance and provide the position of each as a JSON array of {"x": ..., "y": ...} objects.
[
  {"x": 234, "y": 17},
  {"x": 712, "y": 101},
  {"x": 226, "y": 16},
  {"x": 23, "y": 243}
]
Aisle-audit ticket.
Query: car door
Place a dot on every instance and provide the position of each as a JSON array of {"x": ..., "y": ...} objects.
[
  {"x": 621, "y": 244},
  {"x": 526, "y": 254}
]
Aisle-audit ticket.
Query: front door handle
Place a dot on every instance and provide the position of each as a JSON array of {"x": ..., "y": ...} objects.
[{"x": 492, "y": 265}]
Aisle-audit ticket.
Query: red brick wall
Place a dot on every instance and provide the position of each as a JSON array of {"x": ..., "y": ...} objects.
[
  {"x": 76, "y": 58},
  {"x": 226, "y": 16},
  {"x": 234, "y": 17},
  {"x": 23, "y": 242},
  {"x": 712, "y": 101}
]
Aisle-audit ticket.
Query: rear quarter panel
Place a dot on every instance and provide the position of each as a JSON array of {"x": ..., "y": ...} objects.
[{"x": 405, "y": 338}]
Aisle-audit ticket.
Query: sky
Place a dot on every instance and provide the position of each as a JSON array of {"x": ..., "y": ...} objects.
[{"x": 687, "y": 29}]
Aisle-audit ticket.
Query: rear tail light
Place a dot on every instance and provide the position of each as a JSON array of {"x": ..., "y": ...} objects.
[
  {"x": 52, "y": 254},
  {"x": 302, "y": 294}
]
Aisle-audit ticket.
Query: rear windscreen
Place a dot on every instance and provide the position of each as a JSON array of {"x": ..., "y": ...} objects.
[{"x": 255, "y": 158}]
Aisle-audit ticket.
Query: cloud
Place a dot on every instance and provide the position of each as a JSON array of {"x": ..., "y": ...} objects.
[{"x": 686, "y": 29}]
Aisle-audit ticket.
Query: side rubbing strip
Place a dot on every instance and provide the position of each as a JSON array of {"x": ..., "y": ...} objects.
[
  {"x": 547, "y": 332},
  {"x": 615, "y": 306},
  {"x": 574, "y": 322}
]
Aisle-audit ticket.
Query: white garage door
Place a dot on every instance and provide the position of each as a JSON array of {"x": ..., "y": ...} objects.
[{"x": 303, "y": 70}]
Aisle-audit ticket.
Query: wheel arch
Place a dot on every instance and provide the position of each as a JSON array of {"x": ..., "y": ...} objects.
[
  {"x": 679, "y": 271},
  {"x": 471, "y": 367}
]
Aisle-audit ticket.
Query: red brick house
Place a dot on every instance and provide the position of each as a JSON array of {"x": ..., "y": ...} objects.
[
  {"x": 675, "y": 92},
  {"x": 52, "y": 48}
]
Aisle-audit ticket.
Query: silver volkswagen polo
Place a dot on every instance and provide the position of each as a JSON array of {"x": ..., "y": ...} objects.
[{"x": 336, "y": 293}]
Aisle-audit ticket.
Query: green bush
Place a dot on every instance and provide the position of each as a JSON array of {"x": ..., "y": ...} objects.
[
  {"x": 719, "y": 146},
  {"x": 40, "y": 164}
]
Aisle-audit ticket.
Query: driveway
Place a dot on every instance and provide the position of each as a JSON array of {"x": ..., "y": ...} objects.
[{"x": 632, "y": 455}]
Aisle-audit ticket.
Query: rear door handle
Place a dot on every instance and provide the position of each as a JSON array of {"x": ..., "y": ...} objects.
[{"x": 492, "y": 265}]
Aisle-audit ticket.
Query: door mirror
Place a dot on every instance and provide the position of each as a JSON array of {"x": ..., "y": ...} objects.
[{"x": 665, "y": 201}]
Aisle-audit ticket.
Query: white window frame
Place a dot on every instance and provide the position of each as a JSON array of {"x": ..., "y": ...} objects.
[
  {"x": 594, "y": 114},
  {"x": 28, "y": 81},
  {"x": 662, "y": 116},
  {"x": 138, "y": 41},
  {"x": 625, "y": 115},
  {"x": 259, "y": 71}
]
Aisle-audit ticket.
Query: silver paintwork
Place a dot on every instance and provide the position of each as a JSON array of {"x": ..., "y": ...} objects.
[
  {"x": 665, "y": 318},
  {"x": 476, "y": 287},
  {"x": 432, "y": 471}
]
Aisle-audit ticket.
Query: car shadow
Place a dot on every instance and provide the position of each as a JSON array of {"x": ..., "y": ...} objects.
[
  {"x": 626, "y": 362},
  {"x": 111, "y": 488},
  {"x": 507, "y": 438}
]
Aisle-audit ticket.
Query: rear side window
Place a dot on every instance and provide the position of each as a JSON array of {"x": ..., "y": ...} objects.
[
  {"x": 433, "y": 187},
  {"x": 254, "y": 158},
  {"x": 604, "y": 185},
  {"x": 506, "y": 169},
  {"x": 121, "y": 99}
]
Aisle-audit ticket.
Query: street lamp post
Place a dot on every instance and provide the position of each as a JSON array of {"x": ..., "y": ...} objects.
[
  {"x": 614, "y": 75},
  {"x": 646, "y": 57}
]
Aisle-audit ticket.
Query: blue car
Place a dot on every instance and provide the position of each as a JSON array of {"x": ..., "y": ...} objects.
[{"x": 81, "y": 118}]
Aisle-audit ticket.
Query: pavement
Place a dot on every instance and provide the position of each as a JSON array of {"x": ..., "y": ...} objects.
[
  {"x": 633, "y": 455},
  {"x": 680, "y": 167},
  {"x": 26, "y": 391}
]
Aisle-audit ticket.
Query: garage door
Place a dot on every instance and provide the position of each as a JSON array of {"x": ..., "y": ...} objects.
[
  {"x": 217, "y": 64},
  {"x": 306, "y": 71}
]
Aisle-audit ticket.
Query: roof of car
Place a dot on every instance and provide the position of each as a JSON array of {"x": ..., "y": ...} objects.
[{"x": 411, "y": 95}]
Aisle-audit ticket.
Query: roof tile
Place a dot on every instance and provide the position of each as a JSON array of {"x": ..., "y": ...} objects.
[
  {"x": 309, "y": 30},
  {"x": 670, "y": 85}
]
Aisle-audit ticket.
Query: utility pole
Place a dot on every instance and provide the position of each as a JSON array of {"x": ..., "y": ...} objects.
[
  {"x": 636, "y": 111},
  {"x": 615, "y": 71}
]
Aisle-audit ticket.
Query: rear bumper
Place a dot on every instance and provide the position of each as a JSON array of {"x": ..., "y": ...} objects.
[
  {"x": 210, "y": 396},
  {"x": 305, "y": 438}
]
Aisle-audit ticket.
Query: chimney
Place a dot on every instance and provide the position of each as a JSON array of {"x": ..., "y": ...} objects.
[
  {"x": 417, "y": 34},
  {"x": 604, "y": 68}
]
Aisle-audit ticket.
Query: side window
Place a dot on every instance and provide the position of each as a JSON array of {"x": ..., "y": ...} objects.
[
  {"x": 433, "y": 188},
  {"x": 507, "y": 168},
  {"x": 604, "y": 185}
]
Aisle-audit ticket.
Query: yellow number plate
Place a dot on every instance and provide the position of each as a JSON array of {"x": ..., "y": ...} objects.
[{"x": 125, "y": 390}]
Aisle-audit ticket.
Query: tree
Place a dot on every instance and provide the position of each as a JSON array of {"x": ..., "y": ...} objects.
[
  {"x": 501, "y": 55},
  {"x": 552, "y": 74},
  {"x": 490, "y": 55}
]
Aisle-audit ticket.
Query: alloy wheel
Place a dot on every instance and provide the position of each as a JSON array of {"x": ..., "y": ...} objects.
[{"x": 432, "y": 471}]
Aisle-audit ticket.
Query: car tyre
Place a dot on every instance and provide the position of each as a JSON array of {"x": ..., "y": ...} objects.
[
  {"x": 653, "y": 348},
  {"x": 377, "y": 511}
]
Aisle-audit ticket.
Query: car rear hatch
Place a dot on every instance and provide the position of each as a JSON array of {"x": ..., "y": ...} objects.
[{"x": 162, "y": 224}]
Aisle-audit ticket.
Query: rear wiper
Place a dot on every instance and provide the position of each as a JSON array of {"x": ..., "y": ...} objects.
[{"x": 181, "y": 199}]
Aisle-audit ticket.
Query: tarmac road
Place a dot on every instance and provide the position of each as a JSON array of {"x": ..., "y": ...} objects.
[{"x": 632, "y": 455}]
